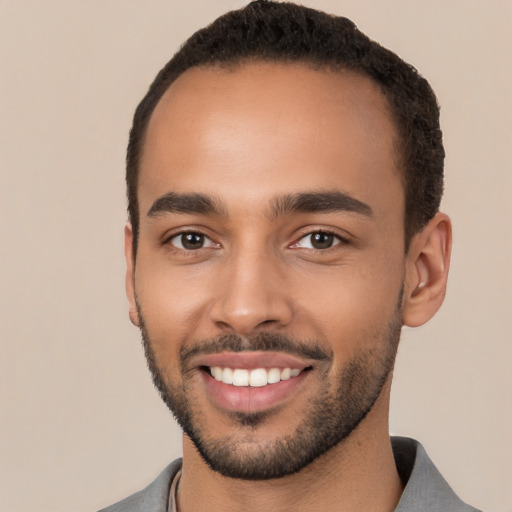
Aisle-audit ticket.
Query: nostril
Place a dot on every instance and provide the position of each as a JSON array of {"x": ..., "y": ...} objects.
[
  {"x": 245, "y": 313},
  {"x": 222, "y": 324}
]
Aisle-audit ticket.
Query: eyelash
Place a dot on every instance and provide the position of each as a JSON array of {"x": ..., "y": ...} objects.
[
  {"x": 338, "y": 240},
  {"x": 181, "y": 234}
]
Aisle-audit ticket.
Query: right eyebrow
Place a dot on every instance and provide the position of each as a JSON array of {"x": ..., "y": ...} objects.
[
  {"x": 319, "y": 202},
  {"x": 186, "y": 203}
]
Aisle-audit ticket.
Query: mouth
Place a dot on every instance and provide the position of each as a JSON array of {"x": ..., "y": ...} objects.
[
  {"x": 256, "y": 378},
  {"x": 248, "y": 382}
]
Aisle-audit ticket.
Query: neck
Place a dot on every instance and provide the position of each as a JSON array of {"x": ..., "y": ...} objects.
[{"x": 359, "y": 474}]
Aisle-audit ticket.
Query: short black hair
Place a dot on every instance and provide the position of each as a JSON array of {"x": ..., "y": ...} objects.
[{"x": 289, "y": 33}]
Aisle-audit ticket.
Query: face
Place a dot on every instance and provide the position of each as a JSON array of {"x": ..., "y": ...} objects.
[{"x": 270, "y": 261}]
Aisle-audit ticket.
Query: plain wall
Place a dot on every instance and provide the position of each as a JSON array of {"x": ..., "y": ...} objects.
[{"x": 80, "y": 423}]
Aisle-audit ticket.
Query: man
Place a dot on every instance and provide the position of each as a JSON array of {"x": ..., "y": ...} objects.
[{"x": 284, "y": 177}]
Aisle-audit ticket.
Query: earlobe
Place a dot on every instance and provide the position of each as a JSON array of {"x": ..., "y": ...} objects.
[
  {"x": 130, "y": 275},
  {"x": 428, "y": 262}
]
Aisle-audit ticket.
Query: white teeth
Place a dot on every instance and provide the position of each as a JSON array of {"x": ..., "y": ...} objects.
[
  {"x": 240, "y": 377},
  {"x": 274, "y": 375},
  {"x": 257, "y": 377},
  {"x": 227, "y": 376},
  {"x": 216, "y": 372},
  {"x": 286, "y": 374}
]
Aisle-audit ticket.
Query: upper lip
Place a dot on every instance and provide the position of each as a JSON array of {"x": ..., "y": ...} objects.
[{"x": 250, "y": 360}]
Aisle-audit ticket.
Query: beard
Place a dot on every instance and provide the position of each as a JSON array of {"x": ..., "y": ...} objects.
[{"x": 328, "y": 419}]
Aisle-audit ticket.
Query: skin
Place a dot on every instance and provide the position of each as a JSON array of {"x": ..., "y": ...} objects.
[{"x": 246, "y": 137}]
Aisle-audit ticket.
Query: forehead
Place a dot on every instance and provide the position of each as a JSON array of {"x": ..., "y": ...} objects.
[{"x": 264, "y": 129}]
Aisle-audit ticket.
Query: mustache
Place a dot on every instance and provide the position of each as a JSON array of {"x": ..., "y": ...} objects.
[{"x": 264, "y": 342}]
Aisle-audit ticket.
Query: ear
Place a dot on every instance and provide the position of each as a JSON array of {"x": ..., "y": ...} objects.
[
  {"x": 130, "y": 275},
  {"x": 427, "y": 265}
]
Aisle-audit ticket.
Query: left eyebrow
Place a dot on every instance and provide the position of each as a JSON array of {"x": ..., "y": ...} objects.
[
  {"x": 318, "y": 202},
  {"x": 198, "y": 204}
]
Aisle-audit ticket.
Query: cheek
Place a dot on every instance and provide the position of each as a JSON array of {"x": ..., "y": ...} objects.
[
  {"x": 173, "y": 304},
  {"x": 352, "y": 306}
]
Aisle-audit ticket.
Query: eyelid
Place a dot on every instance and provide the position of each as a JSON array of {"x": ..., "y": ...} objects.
[
  {"x": 169, "y": 237},
  {"x": 341, "y": 240}
]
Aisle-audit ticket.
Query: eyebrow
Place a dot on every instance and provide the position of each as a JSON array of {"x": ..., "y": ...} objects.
[
  {"x": 186, "y": 203},
  {"x": 305, "y": 202},
  {"x": 319, "y": 202}
]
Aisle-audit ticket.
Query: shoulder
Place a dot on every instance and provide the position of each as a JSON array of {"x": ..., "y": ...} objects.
[
  {"x": 425, "y": 489},
  {"x": 153, "y": 498}
]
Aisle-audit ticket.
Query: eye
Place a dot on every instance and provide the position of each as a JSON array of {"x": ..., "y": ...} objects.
[
  {"x": 318, "y": 240},
  {"x": 191, "y": 241}
]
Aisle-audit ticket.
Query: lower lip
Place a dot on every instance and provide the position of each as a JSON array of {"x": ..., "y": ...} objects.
[{"x": 247, "y": 399}]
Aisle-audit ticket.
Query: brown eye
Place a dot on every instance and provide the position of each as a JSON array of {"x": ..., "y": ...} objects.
[
  {"x": 318, "y": 240},
  {"x": 322, "y": 240},
  {"x": 191, "y": 241}
]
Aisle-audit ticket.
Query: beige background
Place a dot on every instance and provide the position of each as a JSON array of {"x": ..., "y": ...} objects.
[{"x": 81, "y": 425}]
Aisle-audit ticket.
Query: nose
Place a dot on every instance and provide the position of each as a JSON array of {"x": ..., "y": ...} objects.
[{"x": 252, "y": 295}]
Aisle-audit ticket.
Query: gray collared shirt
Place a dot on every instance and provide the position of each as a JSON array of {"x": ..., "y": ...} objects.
[{"x": 425, "y": 490}]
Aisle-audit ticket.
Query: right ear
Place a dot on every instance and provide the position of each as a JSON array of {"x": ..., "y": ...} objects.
[{"x": 130, "y": 275}]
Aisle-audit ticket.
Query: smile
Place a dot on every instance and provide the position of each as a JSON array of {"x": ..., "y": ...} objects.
[
  {"x": 257, "y": 377},
  {"x": 252, "y": 381}
]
